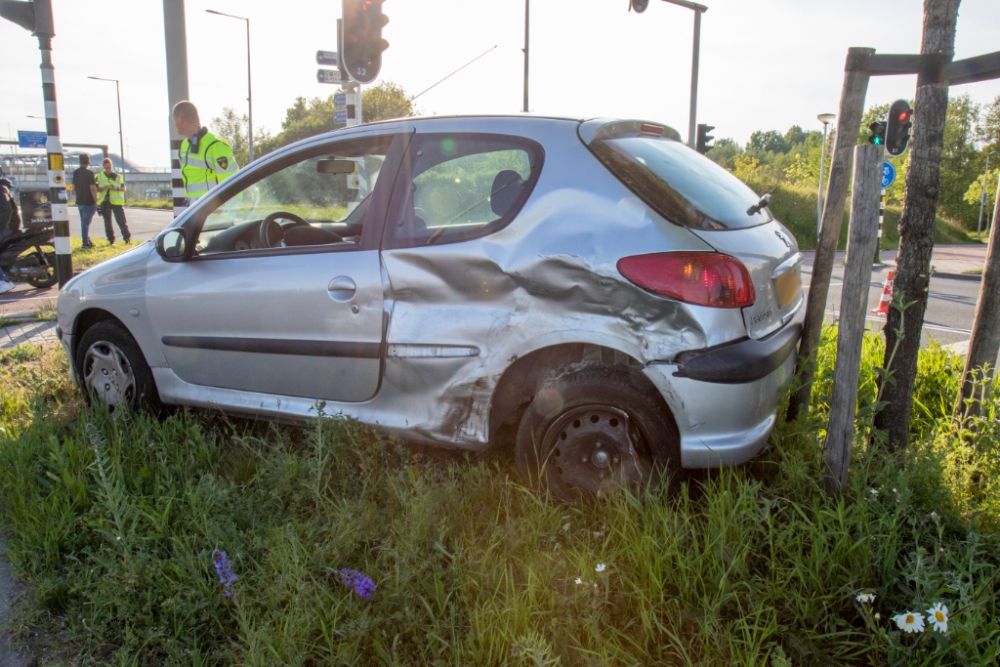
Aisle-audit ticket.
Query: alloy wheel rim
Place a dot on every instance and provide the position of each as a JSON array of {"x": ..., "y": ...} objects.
[
  {"x": 108, "y": 375},
  {"x": 597, "y": 450}
]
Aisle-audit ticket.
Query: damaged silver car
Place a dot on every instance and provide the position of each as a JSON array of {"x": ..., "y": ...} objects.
[{"x": 596, "y": 293}]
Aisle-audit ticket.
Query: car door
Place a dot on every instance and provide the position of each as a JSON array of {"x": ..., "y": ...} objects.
[{"x": 297, "y": 311}]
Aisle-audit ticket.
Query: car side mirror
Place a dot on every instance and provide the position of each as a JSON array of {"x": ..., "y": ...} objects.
[
  {"x": 331, "y": 166},
  {"x": 172, "y": 245}
]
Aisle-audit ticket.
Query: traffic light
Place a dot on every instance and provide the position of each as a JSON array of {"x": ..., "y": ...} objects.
[
  {"x": 363, "y": 43},
  {"x": 702, "y": 146},
  {"x": 897, "y": 131},
  {"x": 878, "y": 133},
  {"x": 638, "y": 6}
]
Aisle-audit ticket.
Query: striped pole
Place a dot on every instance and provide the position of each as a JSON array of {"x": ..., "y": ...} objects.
[
  {"x": 881, "y": 215},
  {"x": 175, "y": 38},
  {"x": 56, "y": 169}
]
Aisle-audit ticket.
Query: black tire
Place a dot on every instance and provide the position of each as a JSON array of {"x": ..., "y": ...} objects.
[
  {"x": 112, "y": 370},
  {"x": 47, "y": 258},
  {"x": 596, "y": 431}
]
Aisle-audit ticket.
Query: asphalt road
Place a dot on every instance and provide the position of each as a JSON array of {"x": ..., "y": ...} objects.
[
  {"x": 951, "y": 307},
  {"x": 144, "y": 223}
]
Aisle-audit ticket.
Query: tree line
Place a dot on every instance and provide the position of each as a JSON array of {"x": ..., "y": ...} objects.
[{"x": 972, "y": 131}]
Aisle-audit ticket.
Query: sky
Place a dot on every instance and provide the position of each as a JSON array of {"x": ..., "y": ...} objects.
[{"x": 765, "y": 64}]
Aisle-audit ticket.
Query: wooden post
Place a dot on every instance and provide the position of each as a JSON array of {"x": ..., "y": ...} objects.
[
  {"x": 852, "y": 102},
  {"x": 853, "y": 308},
  {"x": 984, "y": 346}
]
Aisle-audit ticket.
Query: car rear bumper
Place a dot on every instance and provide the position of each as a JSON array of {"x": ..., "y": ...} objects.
[{"x": 726, "y": 421}]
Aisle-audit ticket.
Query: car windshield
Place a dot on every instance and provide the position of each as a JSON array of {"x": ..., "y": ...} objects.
[{"x": 682, "y": 185}]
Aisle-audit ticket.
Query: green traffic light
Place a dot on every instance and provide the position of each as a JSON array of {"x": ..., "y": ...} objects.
[{"x": 878, "y": 141}]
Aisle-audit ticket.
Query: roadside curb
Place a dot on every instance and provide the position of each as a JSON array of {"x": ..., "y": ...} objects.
[{"x": 958, "y": 276}]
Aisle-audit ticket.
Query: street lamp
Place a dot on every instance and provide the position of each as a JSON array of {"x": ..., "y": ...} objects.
[
  {"x": 982, "y": 198},
  {"x": 826, "y": 119},
  {"x": 121, "y": 138},
  {"x": 249, "y": 89}
]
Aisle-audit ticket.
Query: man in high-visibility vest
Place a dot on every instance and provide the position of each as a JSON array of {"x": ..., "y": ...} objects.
[
  {"x": 206, "y": 160},
  {"x": 111, "y": 195}
]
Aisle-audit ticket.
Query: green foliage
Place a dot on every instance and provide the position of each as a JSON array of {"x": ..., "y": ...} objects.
[
  {"x": 308, "y": 118},
  {"x": 113, "y": 521},
  {"x": 235, "y": 130},
  {"x": 975, "y": 191}
]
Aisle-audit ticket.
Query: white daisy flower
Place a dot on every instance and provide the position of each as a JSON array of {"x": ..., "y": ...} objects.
[
  {"x": 579, "y": 580},
  {"x": 874, "y": 492},
  {"x": 867, "y": 598},
  {"x": 600, "y": 567},
  {"x": 938, "y": 616},
  {"x": 878, "y": 616},
  {"x": 909, "y": 622}
]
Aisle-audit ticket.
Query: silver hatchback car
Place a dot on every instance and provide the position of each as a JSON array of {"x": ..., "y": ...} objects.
[{"x": 595, "y": 292}]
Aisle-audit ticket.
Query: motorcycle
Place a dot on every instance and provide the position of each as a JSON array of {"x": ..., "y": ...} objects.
[{"x": 27, "y": 255}]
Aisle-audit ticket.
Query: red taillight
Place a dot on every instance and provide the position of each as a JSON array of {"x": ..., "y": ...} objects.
[{"x": 702, "y": 278}]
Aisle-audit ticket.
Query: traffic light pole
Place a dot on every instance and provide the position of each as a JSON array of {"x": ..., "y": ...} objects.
[
  {"x": 175, "y": 37},
  {"x": 527, "y": 15},
  {"x": 693, "y": 115},
  {"x": 53, "y": 149}
]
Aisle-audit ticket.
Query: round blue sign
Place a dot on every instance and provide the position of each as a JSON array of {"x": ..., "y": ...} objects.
[{"x": 888, "y": 174}]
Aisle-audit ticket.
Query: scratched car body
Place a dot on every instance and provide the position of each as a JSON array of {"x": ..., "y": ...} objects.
[{"x": 593, "y": 293}]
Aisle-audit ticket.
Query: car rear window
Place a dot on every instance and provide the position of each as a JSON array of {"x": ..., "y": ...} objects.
[{"x": 680, "y": 184}]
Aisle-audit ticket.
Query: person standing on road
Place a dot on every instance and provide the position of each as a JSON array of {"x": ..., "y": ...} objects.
[
  {"x": 206, "y": 160},
  {"x": 85, "y": 186},
  {"x": 111, "y": 192},
  {"x": 7, "y": 209}
]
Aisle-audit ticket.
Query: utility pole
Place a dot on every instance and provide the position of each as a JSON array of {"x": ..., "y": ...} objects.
[
  {"x": 175, "y": 37},
  {"x": 527, "y": 16},
  {"x": 913, "y": 262},
  {"x": 37, "y": 17},
  {"x": 984, "y": 345}
]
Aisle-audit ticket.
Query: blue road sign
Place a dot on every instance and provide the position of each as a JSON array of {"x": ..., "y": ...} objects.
[
  {"x": 326, "y": 58},
  {"x": 31, "y": 139},
  {"x": 888, "y": 174},
  {"x": 340, "y": 117},
  {"x": 340, "y": 99}
]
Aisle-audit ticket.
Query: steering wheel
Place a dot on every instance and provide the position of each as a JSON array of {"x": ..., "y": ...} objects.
[{"x": 272, "y": 220}]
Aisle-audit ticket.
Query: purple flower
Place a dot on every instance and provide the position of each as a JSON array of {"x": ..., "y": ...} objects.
[
  {"x": 226, "y": 576},
  {"x": 361, "y": 584}
]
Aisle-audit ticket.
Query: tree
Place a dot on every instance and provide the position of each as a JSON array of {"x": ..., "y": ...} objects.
[
  {"x": 233, "y": 129},
  {"x": 975, "y": 191},
  {"x": 723, "y": 151},
  {"x": 916, "y": 227},
  {"x": 961, "y": 162},
  {"x": 765, "y": 141},
  {"x": 795, "y": 135},
  {"x": 308, "y": 118},
  {"x": 384, "y": 101},
  {"x": 989, "y": 128}
]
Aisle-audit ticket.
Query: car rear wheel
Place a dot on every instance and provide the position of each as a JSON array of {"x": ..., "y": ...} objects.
[
  {"x": 596, "y": 432},
  {"x": 113, "y": 370}
]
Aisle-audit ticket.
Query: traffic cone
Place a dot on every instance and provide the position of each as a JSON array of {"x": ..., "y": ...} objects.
[{"x": 883, "y": 304}]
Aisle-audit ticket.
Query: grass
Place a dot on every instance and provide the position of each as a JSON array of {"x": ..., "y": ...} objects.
[
  {"x": 113, "y": 521},
  {"x": 163, "y": 204},
  {"x": 84, "y": 258},
  {"x": 47, "y": 313},
  {"x": 8, "y": 322},
  {"x": 795, "y": 207}
]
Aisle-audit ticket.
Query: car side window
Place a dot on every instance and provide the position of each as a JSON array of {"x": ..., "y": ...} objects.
[
  {"x": 318, "y": 199},
  {"x": 461, "y": 186}
]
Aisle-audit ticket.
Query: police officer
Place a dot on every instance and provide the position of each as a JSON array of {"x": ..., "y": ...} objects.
[
  {"x": 206, "y": 160},
  {"x": 111, "y": 194}
]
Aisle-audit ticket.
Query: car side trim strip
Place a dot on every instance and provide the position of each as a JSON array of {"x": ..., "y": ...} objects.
[{"x": 302, "y": 348}]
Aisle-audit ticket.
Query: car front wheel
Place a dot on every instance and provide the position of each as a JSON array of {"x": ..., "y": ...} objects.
[
  {"x": 596, "y": 432},
  {"x": 113, "y": 370}
]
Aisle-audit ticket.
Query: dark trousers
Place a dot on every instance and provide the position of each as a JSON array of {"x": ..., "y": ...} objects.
[{"x": 119, "y": 212}]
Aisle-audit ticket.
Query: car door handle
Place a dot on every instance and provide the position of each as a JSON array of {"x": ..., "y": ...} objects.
[{"x": 342, "y": 288}]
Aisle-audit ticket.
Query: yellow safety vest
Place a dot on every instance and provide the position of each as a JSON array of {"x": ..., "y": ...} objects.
[
  {"x": 104, "y": 182},
  {"x": 206, "y": 164}
]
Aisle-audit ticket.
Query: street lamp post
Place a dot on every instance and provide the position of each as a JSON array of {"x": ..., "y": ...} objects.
[
  {"x": 826, "y": 119},
  {"x": 249, "y": 87},
  {"x": 121, "y": 138},
  {"x": 982, "y": 198}
]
